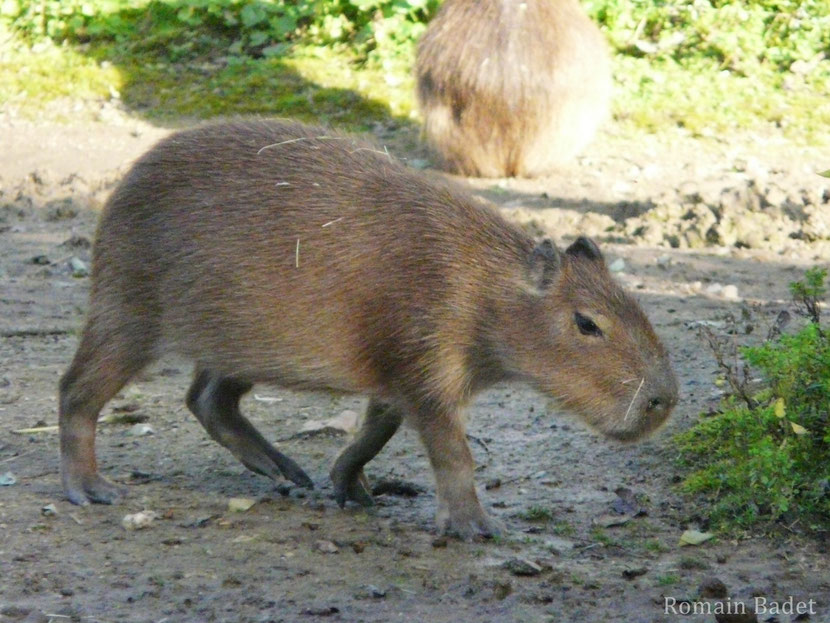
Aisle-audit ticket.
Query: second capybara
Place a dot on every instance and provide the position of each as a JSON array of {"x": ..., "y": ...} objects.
[
  {"x": 511, "y": 87},
  {"x": 274, "y": 252}
]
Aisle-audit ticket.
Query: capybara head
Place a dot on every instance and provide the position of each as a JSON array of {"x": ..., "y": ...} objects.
[
  {"x": 511, "y": 87},
  {"x": 593, "y": 349}
]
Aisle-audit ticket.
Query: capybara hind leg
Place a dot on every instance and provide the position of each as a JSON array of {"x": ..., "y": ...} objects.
[
  {"x": 214, "y": 400},
  {"x": 98, "y": 371},
  {"x": 381, "y": 422},
  {"x": 459, "y": 511}
]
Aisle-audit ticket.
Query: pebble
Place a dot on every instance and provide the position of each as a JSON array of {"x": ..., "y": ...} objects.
[
  {"x": 139, "y": 521},
  {"x": 617, "y": 266},
  {"x": 49, "y": 511},
  {"x": 79, "y": 267},
  {"x": 730, "y": 292},
  {"x": 141, "y": 430},
  {"x": 522, "y": 567},
  {"x": 7, "y": 479},
  {"x": 664, "y": 261},
  {"x": 325, "y": 547}
]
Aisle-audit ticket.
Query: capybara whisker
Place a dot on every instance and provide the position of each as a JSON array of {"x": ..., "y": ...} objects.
[{"x": 633, "y": 398}]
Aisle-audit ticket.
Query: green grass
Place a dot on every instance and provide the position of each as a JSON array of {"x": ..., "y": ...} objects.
[
  {"x": 340, "y": 63},
  {"x": 764, "y": 459}
]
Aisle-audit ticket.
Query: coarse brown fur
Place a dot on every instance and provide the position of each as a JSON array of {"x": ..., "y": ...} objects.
[
  {"x": 511, "y": 87},
  {"x": 273, "y": 252}
]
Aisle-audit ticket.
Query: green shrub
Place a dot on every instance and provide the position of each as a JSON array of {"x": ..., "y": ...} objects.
[{"x": 767, "y": 457}]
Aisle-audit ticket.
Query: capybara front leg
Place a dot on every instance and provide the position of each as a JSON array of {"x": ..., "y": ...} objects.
[
  {"x": 381, "y": 422},
  {"x": 459, "y": 511},
  {"x": 214, "y": 400}
]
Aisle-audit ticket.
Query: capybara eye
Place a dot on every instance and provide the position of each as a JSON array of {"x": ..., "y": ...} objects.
[{"x": 587, "y": 326}]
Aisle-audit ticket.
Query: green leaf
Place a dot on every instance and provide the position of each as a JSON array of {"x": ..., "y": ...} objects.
[
  {"x": 251, "y": 15},
  {"x": 825, "y": 173}
]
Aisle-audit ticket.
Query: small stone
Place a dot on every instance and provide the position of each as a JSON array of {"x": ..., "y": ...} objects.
[
  {"x": 493, "y": 483},
  {"x": 375, "y": 592},
  {"x": 630, "y": 574},
  {"x": 715, "y": 288},
  {"x": 730, "y": 292},
  {"x": 664, "y": 261},
  {"x": 325, "y": 547},
  {"x": 40, "y": 260},
  {"x": 7, "y": 479},
  {"x": 141, "y": 430},
  {"x": 712, "y": 588},
  {"x": 49, "y": 511},
  {"x": 139, "y": 521},
  {"x": 617, "y": 266},
  {"x": 522, "y": 567},
  {"x": 240, "y": 505},
  {"x": 79, "y": 267}
]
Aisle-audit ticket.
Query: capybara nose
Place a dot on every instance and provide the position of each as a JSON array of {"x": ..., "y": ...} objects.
[{"x": 661, "y": 402}]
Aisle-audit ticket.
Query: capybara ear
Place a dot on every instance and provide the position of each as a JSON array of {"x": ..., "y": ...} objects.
[
  {"x": 586, "y": 248},
  {"x": 545, "y": 261}
]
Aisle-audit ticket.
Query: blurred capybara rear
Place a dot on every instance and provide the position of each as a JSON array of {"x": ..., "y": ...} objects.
[
  {"x": 273, "y": 252},
  {"x": 511, "y": 87}
]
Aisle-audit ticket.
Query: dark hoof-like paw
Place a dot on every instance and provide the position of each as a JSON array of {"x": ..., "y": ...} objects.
[
  {"x": 93, "y": 489},
  {"x": 351, "y": 487},
  {"x": 471, "y": 526}
]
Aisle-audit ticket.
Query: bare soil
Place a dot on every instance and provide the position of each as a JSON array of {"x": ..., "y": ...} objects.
[{"x": 663, "y": 204}]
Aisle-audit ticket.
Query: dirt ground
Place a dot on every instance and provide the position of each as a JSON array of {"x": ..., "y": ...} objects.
[{"x": 688, "y": 216}]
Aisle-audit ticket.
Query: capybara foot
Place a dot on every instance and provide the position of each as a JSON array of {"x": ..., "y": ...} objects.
[
  {"x": 349, "y": 485},
  {"x": 286, "y": 466},
  {"x": 469, "y": 524},
  {"x": 95, "y": 488}
]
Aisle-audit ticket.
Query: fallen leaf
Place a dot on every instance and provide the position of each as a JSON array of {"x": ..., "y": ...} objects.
[
  {"x": 609, "y": 521},
  {"x": 780, "y": 409},
  {"x": 798, "y": 429},
  {"x": 240, "y": 505},
  {"x": 694, "y": 537}
]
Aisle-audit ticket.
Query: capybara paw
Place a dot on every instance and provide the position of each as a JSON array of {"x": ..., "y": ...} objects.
[
  {"x": 95, "y": 488},
  {"x": 351, "y": 487},
  {"x": 470, "y": 526},
  {"x": 294, "y": 473}
]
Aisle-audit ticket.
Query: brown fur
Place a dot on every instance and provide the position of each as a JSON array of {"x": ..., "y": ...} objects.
[
  {"x": 272, "y": 252},
  {"x": 511, "y": 87}
]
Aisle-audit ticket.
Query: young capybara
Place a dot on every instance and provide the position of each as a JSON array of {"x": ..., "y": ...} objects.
[
  {"x": 511, "y": 87},
  {"x": 273, "y": 252}
]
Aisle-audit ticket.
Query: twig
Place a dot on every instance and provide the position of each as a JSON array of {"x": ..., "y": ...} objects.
[
  {"x": 333, "y": 222},
  {"x": 479, "y": 442},
  {"x": 12, "y": 458},
  {"x": 33, "y": 332},
  {"x": 36, "y": 429},
  {"x": 297, "y": 255}
]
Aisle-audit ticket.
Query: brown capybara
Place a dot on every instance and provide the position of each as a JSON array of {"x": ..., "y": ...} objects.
[
  {"x": 511, "y": 87},
  {"x": 273, "y": 252}
]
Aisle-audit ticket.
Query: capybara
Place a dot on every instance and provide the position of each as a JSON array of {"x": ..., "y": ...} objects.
[
  {"x": 511, "y": 87},
  {"x": 273, "y": 252}
]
